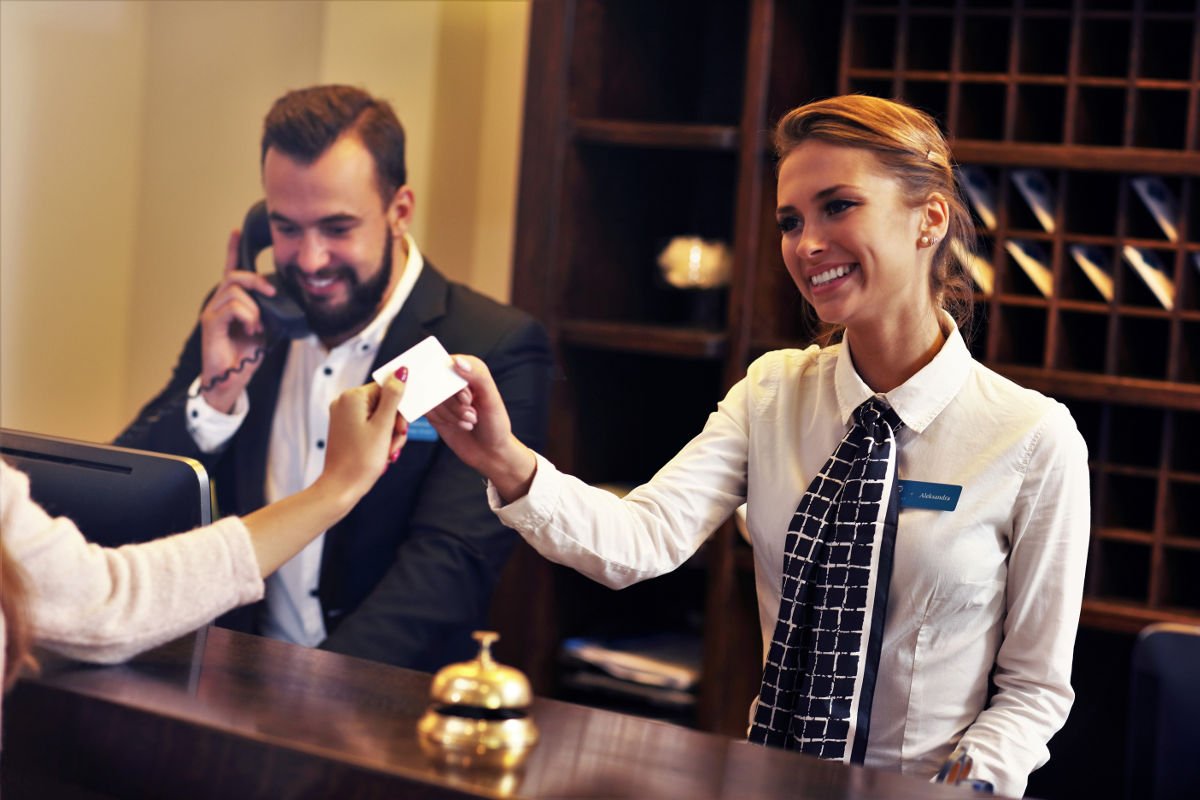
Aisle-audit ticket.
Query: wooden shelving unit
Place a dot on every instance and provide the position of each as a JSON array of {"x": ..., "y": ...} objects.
[{"x": 646, "y": 121}]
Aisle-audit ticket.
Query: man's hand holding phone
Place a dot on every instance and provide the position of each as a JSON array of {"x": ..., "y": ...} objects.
[{"x": 231, "y": 332}]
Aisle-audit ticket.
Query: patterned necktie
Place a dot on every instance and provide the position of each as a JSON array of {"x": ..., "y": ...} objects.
[{"x": 836, "y": 571}]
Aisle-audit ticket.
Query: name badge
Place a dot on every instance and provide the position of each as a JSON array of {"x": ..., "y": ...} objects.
[
  {"x": 920, "y": 494},
  {"x": 422, "y": 431}
]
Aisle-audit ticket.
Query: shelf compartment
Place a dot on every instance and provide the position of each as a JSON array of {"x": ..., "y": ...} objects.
[
  {"x": 989, "y": 37},
  {"x": 1086, "y": 282},
  {"x": 1120, "y": 570},
  {"x": 1136, "y": 436},
  {"x": 929, "y": 43},
  {"x": 1128, "y": 502},
  {"x": 627, "y": 204},
  {"x": 1104, "y": 47},
  {"x": 1039, "y": 113},
  {"x": 1189, "y": 294},
  {"x": 977, "y": 336},
  {"x": 653, "y": 339},
  {"x": 616, "y": 439},
  {"x": 662, "y": 135},
  {"x": 1180, "y": 587},
  {"x": 980, "y": 113},
  {"x": 1172, "y": 43},
  {"x": 1020, "y": 333},
  {"x": 1142, "y": 347},
  {"x": 1186, "y": 429},
  {"x": 1100, "y": 117},
  {"x": 1141, "y": 223},
  {"x": 1082, "y": 341},
  {"x": 1089, "y": 418},
  {"x": 1045, "y": 45},
  {"x": 1014, "y": 280},
  {"x": 668, "y": 61},
  {"x": 797, "y": 73},
  {"x": 1187, "y": 365},
  {"x": 1161, "y": 119},
  {"x": 1183, "y": 509},
  {"x": 1133, "y": 290},
  {"x": 876, "y": 87},
  {"x": 1091, "y": 203},
  {"x": 873, "y": 41},
  {"x": 932, "y": 97}
]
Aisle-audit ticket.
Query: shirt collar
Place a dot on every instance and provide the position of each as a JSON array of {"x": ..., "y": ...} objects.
[
  {"x": 919, "y": 399},
  {"x": 370, "y": 338}
]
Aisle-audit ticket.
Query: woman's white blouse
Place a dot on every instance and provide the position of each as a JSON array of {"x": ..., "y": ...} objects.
[{"x": 998, "y": 581}]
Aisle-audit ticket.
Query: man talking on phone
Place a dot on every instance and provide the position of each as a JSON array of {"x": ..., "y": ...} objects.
[{"x": 409, "y": 573}]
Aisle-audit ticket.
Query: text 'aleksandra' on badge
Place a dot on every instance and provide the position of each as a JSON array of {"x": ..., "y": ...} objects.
[{"x": 936, "y": 496}]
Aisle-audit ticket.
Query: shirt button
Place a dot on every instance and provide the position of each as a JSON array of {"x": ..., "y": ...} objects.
[
  {"x": 320, "y": 444},
  {"x": 195, "y": 413},
  {"x": 328, "y": 370},
  {"x": 314, "y": 592}
]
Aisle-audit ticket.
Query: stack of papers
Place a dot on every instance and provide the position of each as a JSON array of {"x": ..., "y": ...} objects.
[
  {"x": 980, "y": 271},
  {"x": 1095, "y": 264},
  {"x": 1160, "y": 202},
  {"x": 1153, "y": 274},
  {"x": 663, "y": 669},
  {"x": 1038, "y": 194},
  {"x": 978, "y": 188},
  {"x": 1031, "y": 258}
]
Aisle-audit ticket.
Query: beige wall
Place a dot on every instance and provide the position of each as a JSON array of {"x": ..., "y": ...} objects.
[
  {"x": 71, "y": 81},
  {"x": 129, "y": 132}
]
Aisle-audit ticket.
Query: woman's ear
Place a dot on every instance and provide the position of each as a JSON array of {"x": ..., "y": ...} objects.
[{"x": 936, "y": 216}]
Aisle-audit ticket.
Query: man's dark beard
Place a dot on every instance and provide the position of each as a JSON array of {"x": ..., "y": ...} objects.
[{"x": 358, "y": 309}]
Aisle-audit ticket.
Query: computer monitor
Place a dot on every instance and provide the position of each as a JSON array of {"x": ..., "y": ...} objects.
[{"x": 113, "y": 494}]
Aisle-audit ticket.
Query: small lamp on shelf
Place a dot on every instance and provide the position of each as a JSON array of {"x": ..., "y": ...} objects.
[{"x": 701, "y": 268}]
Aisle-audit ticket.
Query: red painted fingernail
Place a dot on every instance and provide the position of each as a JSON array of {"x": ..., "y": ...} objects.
[
  {"x": 392, "y": 458},
  {"x": 402, "y": 374}
]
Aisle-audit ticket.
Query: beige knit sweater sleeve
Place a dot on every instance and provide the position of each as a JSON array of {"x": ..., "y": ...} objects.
[{"x": 108, "y": 604}]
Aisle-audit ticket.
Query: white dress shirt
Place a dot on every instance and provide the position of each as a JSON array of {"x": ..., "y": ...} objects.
[
  {"x": 997, "y": 581},
  {"x": 312, "y": 378}
]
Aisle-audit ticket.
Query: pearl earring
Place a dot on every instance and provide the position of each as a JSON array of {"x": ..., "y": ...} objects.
[{"x": 923, "y": 241}]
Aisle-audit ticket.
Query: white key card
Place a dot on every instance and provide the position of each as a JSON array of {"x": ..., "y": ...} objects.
[{"x": 431, "y": 377}]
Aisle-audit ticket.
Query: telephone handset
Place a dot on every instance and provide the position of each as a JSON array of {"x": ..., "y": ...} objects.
[{"x": 282, "y": 315}]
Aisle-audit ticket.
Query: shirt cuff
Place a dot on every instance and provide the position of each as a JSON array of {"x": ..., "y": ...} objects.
[
  {"x": 209, "y": 428},
  {"x": 534, "y": 509}
]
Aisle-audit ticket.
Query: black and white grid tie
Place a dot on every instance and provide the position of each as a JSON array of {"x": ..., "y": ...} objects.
[{"x": 819, "y": 678}]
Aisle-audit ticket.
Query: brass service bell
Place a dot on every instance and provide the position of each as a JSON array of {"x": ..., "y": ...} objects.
[{"x": 479, "y": 714}]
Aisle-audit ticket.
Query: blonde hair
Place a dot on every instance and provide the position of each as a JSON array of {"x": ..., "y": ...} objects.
[
  {"x": 14, "y": 606},
  {"x": 910, "y": 146}
]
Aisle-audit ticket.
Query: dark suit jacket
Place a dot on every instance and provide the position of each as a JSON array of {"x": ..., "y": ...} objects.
[{"x": 409, "y": 573}]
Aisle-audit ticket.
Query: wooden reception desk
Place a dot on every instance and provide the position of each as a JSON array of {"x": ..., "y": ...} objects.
[{"x": 222, "y": 714}]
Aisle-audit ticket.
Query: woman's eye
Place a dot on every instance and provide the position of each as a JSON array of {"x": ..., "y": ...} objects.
[
  {"x": 838, "y": 206},
  {"x": 787, "y": 224}
]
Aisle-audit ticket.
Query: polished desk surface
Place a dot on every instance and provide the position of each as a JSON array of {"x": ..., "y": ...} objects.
[{"x": 222, "y": 714}]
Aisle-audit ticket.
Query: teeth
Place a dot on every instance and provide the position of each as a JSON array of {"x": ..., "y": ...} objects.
[
  {"x": 831, "y": 273},
  {"x": 319, "y": 283}
]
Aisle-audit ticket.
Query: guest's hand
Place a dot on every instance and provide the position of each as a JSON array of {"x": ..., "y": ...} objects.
[
  {"x": 366, "y": 434},
  {"x": 474, "y": 424}
]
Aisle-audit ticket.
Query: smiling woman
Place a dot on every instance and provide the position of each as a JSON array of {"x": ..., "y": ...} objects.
[{"x": 919, "y": 589}]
